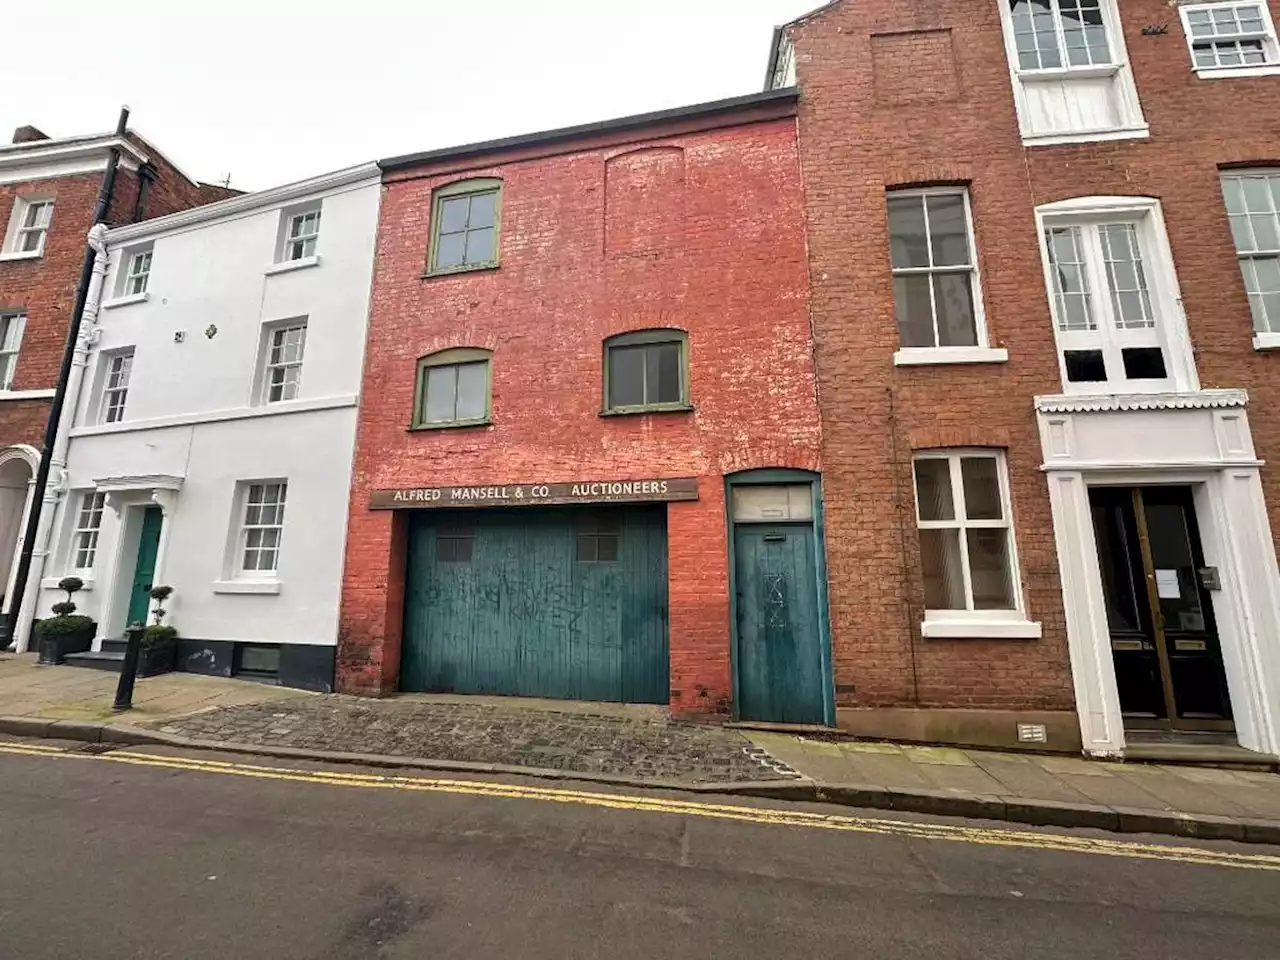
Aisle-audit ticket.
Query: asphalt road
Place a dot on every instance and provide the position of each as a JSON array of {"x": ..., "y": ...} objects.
[{"x": 155, "y": 853}]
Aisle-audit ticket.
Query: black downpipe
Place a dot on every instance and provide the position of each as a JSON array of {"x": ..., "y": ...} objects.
[{"x": 100, "y": 213}]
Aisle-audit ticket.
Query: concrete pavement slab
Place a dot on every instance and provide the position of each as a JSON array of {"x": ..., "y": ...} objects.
[
  {"x": 1259, "y": 801},
  {"x": 972, "y": 779},
  {"x": 942, "y": 756},
  {"x": 888, "y": 771},
  {"x": 1074, "y": 765},
  {"x": 1176, "y": 793},
  {"x": 1027, "y": 779},
  {"x": 871, "y": 746},
  {"x": 829, "y": 769},
  {"x": 1114, "y": 792},
  {"x": 1210, "y": 775}
]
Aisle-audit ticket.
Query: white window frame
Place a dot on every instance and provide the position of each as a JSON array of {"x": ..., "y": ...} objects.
[
  {"x": 20, "y": 227},
  {"x": 1132, "y": 123},
  {"x": 1262, "y": 339},
  {"x": 1270, "y": 45},
  {"x": 86, "y": 531},
  {"x": 267, "y": 368},
  {"x": 1170, "y": 330},
  {"x": 244, "y": 502},
  {"x": 970, "y": 622},
  {"x": 303, "y": 244},
  {"x": 115, "y": 393},
  {"x": 982, "y": 352},
  {"x": 10, "y": 351},
  {"x": 137, "y": 273}
]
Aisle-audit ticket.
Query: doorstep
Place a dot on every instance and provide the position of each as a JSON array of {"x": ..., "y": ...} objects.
[
  {"x": 768, "y": 726},
  {"x": 1230, "y": 756},
  {"x": 110, "y": 660}
]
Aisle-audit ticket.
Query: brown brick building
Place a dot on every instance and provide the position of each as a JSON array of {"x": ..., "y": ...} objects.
[
  {"x": 1049, "y": 402},
  {"x": 48, "y": 192},
  {"x": 588, "y": 388}
]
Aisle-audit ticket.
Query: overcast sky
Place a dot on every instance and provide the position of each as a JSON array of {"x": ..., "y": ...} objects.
[{"x": 272, "y": 91}]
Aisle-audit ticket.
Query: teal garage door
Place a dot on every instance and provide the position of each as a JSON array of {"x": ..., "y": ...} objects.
[{"x": 569, "y": 604}]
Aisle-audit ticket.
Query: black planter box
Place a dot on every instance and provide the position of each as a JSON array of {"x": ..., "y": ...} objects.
[
  {"x": 54, "y": 650},
  {"x": 153, "y": 661}
]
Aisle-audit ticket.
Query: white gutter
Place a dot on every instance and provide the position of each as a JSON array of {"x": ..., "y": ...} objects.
[{"x": 57, "y": 486}]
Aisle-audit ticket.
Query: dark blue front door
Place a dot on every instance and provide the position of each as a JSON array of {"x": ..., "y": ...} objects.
[{"x": 779, "y": 642}]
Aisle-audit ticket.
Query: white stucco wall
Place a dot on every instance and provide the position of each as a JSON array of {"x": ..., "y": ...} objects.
[{"x": 192, "y": 418}]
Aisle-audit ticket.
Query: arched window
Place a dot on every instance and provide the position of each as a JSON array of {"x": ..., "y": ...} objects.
[
  {"x": 646, "y": 371},
  {"x": 465, "y": 218},
  {"x": 453, "y": 389}
]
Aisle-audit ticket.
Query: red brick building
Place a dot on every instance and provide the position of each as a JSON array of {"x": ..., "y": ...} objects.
[
  {"x": 48, "y": 192},
  {"x": 588, "y": 388},
  {"x": 1045, "y": 266}
]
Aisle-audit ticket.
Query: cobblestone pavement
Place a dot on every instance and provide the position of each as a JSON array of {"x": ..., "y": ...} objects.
[{"x": 488, "y": 732}]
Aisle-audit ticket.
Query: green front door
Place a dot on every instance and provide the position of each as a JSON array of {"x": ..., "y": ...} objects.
[
  {"x": 145, "y": 568},
  {"x": 779, "y": 642},
  {"x": 569, "y": 604}
]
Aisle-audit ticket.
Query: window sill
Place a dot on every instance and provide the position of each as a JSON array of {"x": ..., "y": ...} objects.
[
  {"x": 1070, "y": 73},
  {"x": 21, "y": 255},
  {"x": 1226, "y": 73},
  {"x": 125, "y": 301},
  {"x": 1261, "y": 341},
  {"x": 247, "y": 586},
  {"x": 288, "y": 266},
  {"x": 655, "y": 408},
  {"x": 51, "y": 583},
  {"x": 1084, "y": 136},
  {"x": 26, "y": 395},
  {"x": 923, "y": 356},
  {"x": 454, "y": 271},
  {"x": 458, "y": 425},
  {"x": 980, "y": 630}
]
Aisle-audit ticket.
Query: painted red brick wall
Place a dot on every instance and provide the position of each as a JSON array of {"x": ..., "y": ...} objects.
[
  {"x": 866, "y": 125},
  {"x": 702, "y": 231}
]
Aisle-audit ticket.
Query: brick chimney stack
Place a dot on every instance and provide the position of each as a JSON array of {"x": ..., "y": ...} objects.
[{"x": 28, "y": 134}]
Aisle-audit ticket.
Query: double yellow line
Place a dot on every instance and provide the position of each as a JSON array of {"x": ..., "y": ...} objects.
[{"x": 769, "y": 816}]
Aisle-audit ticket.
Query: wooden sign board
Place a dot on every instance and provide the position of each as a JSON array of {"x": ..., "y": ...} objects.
[{"x": 535, "y": 494}]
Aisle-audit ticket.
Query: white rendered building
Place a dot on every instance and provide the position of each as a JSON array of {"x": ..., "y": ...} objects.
[{"x": 209, "y": 429}]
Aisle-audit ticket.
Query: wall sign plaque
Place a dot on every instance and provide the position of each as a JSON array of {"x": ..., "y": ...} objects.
[{"x": 535, "y": 494}]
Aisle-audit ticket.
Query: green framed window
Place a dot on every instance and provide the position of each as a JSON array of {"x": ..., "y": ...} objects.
[
  {"x": 646, "y": 370},
  {"x": 465, "y": 219},
  {"x": 453, "y": 389}
]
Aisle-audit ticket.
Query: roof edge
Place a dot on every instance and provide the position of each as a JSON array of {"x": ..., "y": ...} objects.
[
  {"x": 776, "y": 42},
  {"x": 247, "y": 203},
  {"x": 37, "y": 151},
  {"x": 775, "y": 46},
  {"x": 710, "y": 109}
]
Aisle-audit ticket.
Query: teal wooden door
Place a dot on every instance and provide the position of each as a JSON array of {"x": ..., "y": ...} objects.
[
  {"x": 568, "y": 604},
  {"x": 145, "y": 568},
  {"x": 779, "y": 644}
]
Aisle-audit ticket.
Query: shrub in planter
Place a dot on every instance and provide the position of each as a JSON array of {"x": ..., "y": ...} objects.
[
  {"x": 159, "y": 640},
  {"x": 67, "y": 632}
]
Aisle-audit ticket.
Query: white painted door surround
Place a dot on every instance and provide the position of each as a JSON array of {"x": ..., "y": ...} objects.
[{"x": 1200, "y": 439}]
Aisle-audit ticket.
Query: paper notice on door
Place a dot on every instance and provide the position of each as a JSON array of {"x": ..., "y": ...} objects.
[{"x": 1167, "y": 585}]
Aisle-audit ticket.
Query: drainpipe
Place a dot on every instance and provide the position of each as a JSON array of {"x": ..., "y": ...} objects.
[
  {"x": 57, "y": 459},
  {"x": 15, "y": 625}
]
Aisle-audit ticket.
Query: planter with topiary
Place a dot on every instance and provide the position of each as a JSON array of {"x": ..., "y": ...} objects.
[
  {"x": 66, "y": 632},
  {"x": 160, "y": 640}
]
